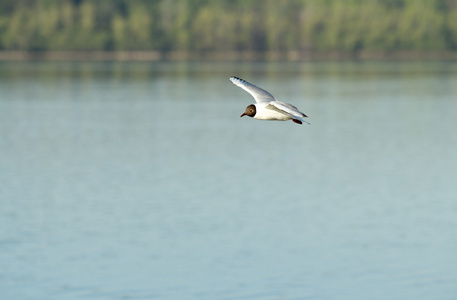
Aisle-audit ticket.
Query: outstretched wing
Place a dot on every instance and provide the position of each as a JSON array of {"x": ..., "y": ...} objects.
[
  {"x": 287, "y": 109},
  {"x": 260, "y": 95}
]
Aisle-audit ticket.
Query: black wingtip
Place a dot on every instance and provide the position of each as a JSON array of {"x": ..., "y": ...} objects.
[{"x": 237, "y": 78}]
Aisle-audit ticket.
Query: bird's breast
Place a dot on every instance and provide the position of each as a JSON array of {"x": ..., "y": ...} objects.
[{"x": 263, "y": 113}]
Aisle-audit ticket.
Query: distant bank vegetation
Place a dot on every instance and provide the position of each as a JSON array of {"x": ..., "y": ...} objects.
[{"x": 229, "y": 25}]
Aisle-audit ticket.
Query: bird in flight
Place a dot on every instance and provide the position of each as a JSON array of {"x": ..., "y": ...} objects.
[{"x": 266, "y": 106}]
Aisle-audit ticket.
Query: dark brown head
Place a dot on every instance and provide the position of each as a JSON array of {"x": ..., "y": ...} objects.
[{"x": 250, "y": 111}]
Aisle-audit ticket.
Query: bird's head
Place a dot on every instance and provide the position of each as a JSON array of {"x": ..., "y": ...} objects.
[{"x": 250, "y": 111}]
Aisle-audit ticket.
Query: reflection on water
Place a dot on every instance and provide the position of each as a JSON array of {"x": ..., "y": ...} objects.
[{"x": 139, "y": 180}]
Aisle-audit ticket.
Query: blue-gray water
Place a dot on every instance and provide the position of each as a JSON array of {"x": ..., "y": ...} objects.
[{"x": 141, "y": 181}]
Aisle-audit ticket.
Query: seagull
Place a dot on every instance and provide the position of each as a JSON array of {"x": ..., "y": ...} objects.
[{"x": 266, "y": 106}]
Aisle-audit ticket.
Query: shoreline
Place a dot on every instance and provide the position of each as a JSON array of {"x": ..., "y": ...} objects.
[{"x": 224, "y": 56}]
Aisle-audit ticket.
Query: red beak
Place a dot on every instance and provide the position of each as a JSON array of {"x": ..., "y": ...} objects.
[{"x": 242, "y": 115}]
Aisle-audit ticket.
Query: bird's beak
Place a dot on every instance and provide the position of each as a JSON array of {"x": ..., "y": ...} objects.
[{"x": 242, "y": 115}]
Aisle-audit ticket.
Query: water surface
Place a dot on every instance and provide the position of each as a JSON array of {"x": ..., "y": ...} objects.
[{"x": 139, "y": 180}]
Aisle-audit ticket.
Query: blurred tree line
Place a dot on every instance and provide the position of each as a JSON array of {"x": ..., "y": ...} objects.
[{"x": 228, "y": 25}]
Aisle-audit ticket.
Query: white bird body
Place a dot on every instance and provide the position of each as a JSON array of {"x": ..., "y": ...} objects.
[
  {"x": 266, "y": 106},
  {"x": 265, "y": 113}
]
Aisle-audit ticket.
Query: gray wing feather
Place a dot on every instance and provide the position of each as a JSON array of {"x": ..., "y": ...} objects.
[
  {"x": 290, "y": 108},
  {"x": 260, "y": 95},
  {"x": 287, "y": 109}
]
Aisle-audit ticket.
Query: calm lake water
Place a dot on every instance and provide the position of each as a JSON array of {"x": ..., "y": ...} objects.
[{"x": 141, "y": 181}]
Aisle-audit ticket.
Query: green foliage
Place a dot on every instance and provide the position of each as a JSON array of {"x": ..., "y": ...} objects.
[{"x": 228, "y": 25}]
